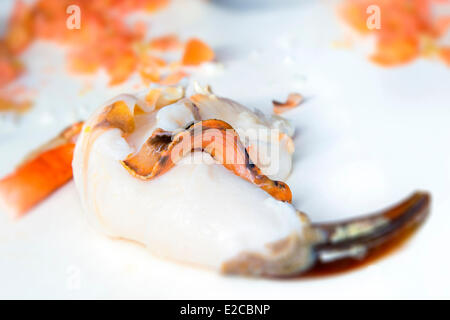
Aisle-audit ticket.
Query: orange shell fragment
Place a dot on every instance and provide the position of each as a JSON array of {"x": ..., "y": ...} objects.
[
  {"x": 19, "y": 34},
  {"x": 43, "y": 173},
  {"x": 396, "y": 51},
  {"x": 196, "y": 53},
  {"x": 9, "y": 105},
  {"x": 35, "y": 180},
  {"x": 158, "y": 98},
  {"x": 10, "y": 67},
  {"x": 293, "y": 101},
  {"x": 444, "y": 54},
  {"x": 165, "y": 43},
  {"x": 161, "y": 152},
  {"x": 155, "y": 5}
]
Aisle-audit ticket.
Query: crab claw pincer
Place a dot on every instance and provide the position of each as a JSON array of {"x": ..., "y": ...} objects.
[{"x": 190, "y": 179}]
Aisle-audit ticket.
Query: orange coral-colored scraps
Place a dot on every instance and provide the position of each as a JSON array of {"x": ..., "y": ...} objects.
[
  {"x": 19, "y": 35},
  {"x": 15, "y": 99},
  {"x": 166, "y": 43},
  {"x": 150, "y": 67},
  {"x": 406, "y": 25},
  {"x": 196, "y": 53},
  {"x": 10, "y": 66},
  {"x": 9, "y": 105},
  {"x": 104, "y": 40},
  {"x": 445, "y": 55},
  {"x": 155, "y": 5}
]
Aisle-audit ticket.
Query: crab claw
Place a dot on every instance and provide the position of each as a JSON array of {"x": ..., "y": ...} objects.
[
  {"x": 136, "y": 181},
  {"x": 175, "y": 174},
  {"x": 357, "y": 238},
  {"x": 331, "y": 243}
]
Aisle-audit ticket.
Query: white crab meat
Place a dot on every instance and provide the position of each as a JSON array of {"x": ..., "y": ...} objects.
[{"x": 197, "y": 212}]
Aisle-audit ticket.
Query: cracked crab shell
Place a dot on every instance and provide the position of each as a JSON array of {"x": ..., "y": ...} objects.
[{"x": 198, "y": 212}]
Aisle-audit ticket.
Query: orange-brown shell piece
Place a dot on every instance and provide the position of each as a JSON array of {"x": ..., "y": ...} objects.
[
  {"x": 42, "y": 173},
  {"x": 444, "y": 54},
  {"x": 293, "y": 101},
  {"x": 196, "y": 53},
  {"x": 161, "y": 152}
]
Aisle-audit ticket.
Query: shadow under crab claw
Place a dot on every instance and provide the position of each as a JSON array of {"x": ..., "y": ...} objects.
[{"x": 351, "y": 243}]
